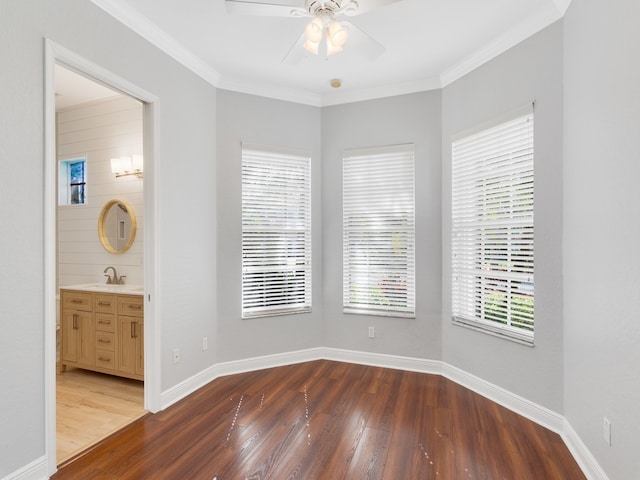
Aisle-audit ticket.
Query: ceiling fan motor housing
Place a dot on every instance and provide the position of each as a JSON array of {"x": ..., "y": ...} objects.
[{"x": 332, "y": 7}]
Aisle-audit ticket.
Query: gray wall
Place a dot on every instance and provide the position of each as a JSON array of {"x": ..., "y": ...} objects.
[
  {"x": 530, "y": 71},
  {"x": 404, "y": 119},
  {"x": 262, "y": 121},
  {"x": 602, "y": 229},
  {"x": 186, "y": 206}
]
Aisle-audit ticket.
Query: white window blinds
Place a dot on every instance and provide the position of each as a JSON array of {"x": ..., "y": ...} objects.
[
  {"x": 276, "y": 233},
  {"x": 493, "y": 229},
  {"x": 379, "y": 231}
]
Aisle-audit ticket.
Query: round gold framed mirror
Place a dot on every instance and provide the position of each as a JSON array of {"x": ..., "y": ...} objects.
[{"x": 117, "y": 226}]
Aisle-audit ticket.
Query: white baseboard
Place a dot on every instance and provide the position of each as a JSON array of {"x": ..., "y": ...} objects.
[
  {"x": 190, "y": 385},
  {"x": 582, "y": 455},
  {"x": 270, "y": 361},
  {"x": 187, "y": 387},
  {"x": 396, "y": 362},
  {"x": 520, "y": 405},
  {"x": 36, "y": 470}
]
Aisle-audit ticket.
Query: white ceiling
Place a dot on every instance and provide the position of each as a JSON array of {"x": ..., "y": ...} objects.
[{"x": 429, "y": 44}]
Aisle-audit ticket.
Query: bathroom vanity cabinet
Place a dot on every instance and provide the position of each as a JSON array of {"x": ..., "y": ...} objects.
[{"x": 102, "y": 332}]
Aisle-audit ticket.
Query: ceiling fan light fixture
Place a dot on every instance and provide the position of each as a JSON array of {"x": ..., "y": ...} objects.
[
  {"x": 313, "y": 30},
  {"x": 324, "y": 33},
  {"x": 337, "y": 34}
]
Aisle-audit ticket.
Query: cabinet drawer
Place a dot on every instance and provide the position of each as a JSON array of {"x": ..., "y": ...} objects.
[
  {"x": 105, "y": 323},
  {"x": 72, "y": 300},
  {"x": 105, "y": 303},
  {"x": 105, "y": 359},
  {"x": 130, "y": 305},
  {"x": 106, "y": 341}
]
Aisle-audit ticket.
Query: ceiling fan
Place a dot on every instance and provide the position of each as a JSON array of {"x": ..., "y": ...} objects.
[{"x": 324, "y": 24}]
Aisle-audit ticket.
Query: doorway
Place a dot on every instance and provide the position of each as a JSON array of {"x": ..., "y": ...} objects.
[
  {"x": 95, "y": 124},
  {"x": 110, "y": 103}
]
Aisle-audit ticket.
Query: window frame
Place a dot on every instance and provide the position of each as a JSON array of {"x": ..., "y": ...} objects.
[
  {"x": 379, "y": 200},
  {"x": 492, "y": 227},
  {"x": 282, "y": 178},
  {"x": 65, "y": 184}
]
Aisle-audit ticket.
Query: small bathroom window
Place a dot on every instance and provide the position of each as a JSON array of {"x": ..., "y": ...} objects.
[{"x": 72, "y": 178}]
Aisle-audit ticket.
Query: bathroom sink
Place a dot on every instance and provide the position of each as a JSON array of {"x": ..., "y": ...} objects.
[{"x": 104, "y": 288}]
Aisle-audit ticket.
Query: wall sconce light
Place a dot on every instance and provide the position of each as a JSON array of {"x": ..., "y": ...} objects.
[{"x": 124, "y": 166}]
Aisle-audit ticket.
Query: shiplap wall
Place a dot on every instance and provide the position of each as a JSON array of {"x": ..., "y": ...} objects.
[{"x": 99, "y": 131}]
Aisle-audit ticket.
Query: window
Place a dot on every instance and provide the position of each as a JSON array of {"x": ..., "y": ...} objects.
[
  {"x": 493, "y": 229},
  {"x": 276, "y": 233},
  {"x": 379, "y": 231},
  {"x": 72, "y": 177}
]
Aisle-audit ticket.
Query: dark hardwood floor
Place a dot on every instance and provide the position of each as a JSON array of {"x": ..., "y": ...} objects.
[{"x": 329, "y": 421}]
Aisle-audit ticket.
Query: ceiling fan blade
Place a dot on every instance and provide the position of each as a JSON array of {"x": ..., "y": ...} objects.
[
  {"x": 365, "y": 6},
  {"x": 363, "y": 42},
  {"x": 296, "y": 53},
  {"x": 239, "y": 7}
]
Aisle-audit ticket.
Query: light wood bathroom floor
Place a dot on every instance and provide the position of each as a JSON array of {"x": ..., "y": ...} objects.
[{"x": 92, "y": 406}]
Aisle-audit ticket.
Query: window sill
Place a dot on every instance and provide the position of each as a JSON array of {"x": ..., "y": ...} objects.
[
  {"x": 521, "y": 338},
  {"x": 377, "y": 313},
  {"x": 275, "y": 313}
]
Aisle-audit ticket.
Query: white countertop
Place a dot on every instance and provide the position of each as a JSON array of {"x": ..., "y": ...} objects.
[{"x": 105, "y": 288}]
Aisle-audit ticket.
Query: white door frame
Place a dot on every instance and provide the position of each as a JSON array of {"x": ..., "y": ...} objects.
[{"x": 56, "y": 54}]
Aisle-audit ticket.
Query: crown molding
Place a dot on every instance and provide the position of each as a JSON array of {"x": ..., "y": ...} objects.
[
  {"x": 159, "y": 38},
  {"x": 510, "y": 39}
]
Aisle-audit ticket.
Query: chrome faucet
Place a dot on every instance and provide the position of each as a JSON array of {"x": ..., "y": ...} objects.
[{"x": 115, "y": 280}]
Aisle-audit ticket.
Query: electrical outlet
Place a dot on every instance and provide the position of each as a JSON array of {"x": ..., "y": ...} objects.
[
  {"x": 607, "y": 430},
  {"x": 176, "y": 355},
  {"x": 372, "y": 332},
  {"x": 205, "y": 343}
]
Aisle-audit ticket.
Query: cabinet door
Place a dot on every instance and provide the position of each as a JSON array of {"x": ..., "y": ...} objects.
[
  {"x": 70, "y": 335},
  {"x": 86, "y": 340},
  {"x": 78, "y": 340},
  {"x": 129, "y": 344}
]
